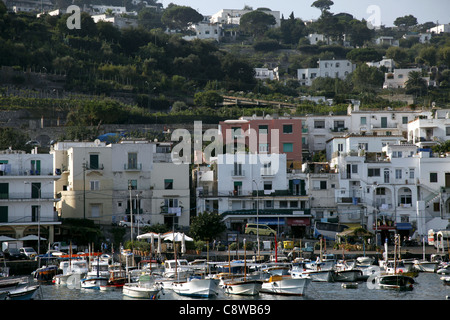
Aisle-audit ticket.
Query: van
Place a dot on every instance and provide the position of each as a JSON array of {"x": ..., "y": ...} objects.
[
  {"x": 262, "y": 229},
  {"x": 442, "y": 239}
]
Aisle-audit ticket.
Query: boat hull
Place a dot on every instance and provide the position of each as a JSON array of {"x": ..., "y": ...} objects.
[
  {"x": 247, "y": 288},
  {"x": 315, "y": 276},
  {"x": 426, "y": 266},
  {"x": 201, "y": 288},
  {"x": 394, "y": 282},
  {"x": 23, "y": 293},
  {"x": 134, "y": 290},
  {"x": 93, "y": 283},
  {"x": 285, "y": 285},
  {"x": 347, "y": 275}
]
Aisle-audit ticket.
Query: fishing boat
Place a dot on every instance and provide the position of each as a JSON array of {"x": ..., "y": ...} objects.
[
  {"x": 242, "y": 285},
  {"x": 145, "y": 288},
  {"x": 394, "y": 282},
  {"x": 117, "y": 280},
  {"x": 97, "y": 276},
  {"x": 446, "y": 280},
  {"x": 314, "y": 272},
  {"x": 345, "y": 272},
  {"x": 444, "y": 269},
  {"x": 426, "y": 266},
  {"x": 395, "y": 277},
  {"x": 17, "y": 288},
  {"x": 177, "y": 268},
  {"x": 45, "y": 273},
  {"x": 71, "y": 268},
  {"x": 279, "y": 281},
  {"x": 196, "y": 287}
]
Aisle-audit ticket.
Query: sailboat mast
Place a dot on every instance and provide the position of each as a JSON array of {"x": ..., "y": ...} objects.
[{"x": 245, "y": 260}]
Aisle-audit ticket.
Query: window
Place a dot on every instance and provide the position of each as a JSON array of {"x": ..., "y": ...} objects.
[
  {"x": 404, "y": 120},
  {"x": 268, "y": 204},
  {"x": 405, "y": 199},
  {"x": 363, "y": 146},
  {"x": 237, "y": 169},
  {"x": 132, "y": 184},
  {"x": 339, "y": 124},
  {"x": 132, "y": 160},
  {"x": 354, "y": 168},
  {"x": 340, "y": 147},
  {"x": 433, "y": 177},
  {"x": 293, "y": 204},
  {"x": 3, "y": 213},
  {"x": 319, "y": 124},
  {"x": 411, "y": 173},
  {"x": 35, "y": 213},
  {"x": 237, "y": 191},
  {"x": 171, "y": 203},
  {"x": 447, "y": 131},
  {"x": 263, "y": 147},
  {"x": 287, "y": 128},
  {"x": 94, "y": 185},
  {"x": 35, "y": 190},
  {"x": 95, "y": 211},
  {"x": 288, "y": 147},
  {"x": 168, "y": 184},
  {"x": 373, "y": 172},
  {"x": 263, "y": 129},
  {"x": 319, "y": 185},
  {"x": 398, "y": 173},
  {"x": 93, "y": 161},
  {"x": 237, "y": 132},
  {"x": 363, "y": 121},
  {"x": 267, "y": 185},
  {"x": 4, "y": 190},
  {"x": 35, "y": 167},
  {"x": 380, "y": 191},
  {"x": 283, "y": 204}
]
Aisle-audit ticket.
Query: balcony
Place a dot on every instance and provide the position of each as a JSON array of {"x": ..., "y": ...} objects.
[
  {"x": 25, "y": 196},
  {"x": 238, "y": 173},
  {"x": 171, "y": 210},
  {"x": 132, "y": 166}
]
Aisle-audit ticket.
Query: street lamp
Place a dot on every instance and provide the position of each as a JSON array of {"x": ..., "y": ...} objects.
[{"x": 257, "y": 215}]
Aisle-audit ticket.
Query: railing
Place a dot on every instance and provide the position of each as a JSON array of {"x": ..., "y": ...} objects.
[
  {"x": 238, "y": 173},
  {"x": 26, "y": 196},
  {"x": 30, "y": 219},
  {"x": 130, "y": 166}
]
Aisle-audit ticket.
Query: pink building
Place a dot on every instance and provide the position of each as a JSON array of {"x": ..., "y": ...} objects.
[{"x": 266, "y": 136}]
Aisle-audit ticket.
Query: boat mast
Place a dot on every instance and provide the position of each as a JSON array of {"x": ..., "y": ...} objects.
[{"x": 245, "y": 259}]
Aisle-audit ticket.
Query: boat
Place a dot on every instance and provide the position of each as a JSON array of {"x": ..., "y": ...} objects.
[
  {"x": 196, "y": 287},
  {"x": 17, "y": 288},
  {"x": 176, "y": 269},
  {"x": 350, "y": 285},
  {"x": 426, "y": 266},
  {"x": 344, "y": 272},
  {"x": 45, "y": 273},
  {"x": 316, "y": 274},
  {"x": 446, "y": 280},
  {"x": 98, "y": 275},
  {"x": 398, "y": 267},
  {"x": 117, "y": 279},
  {"x": 283, "y": 283},
  {"x": 241, "y": 285},
  {"x": 145, "y": 288},
  {"x": 444, "y": 269},
  {"x": 394, "y": 282},
  {"x": 395, "y": 276},
  {"x": 71, "y": 268}
]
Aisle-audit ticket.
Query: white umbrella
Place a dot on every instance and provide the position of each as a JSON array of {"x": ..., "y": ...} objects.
[
  {"x": 159, "y": 244},
  {"x": 177, "y": 236},
  {"x": 146, "y": 235},
  {"x": 31, "y": 237},
  {"x": 5, "y": 238},
  {"x": 183, "y": 245}
]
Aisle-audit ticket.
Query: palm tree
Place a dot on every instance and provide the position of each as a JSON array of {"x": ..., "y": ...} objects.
[{"x": 415, "y": 83}]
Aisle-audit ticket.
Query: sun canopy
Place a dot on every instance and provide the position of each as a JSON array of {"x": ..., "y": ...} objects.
[
  {"x": 177, "y": 236},
  {"x": 148, "y": 235},
  {"x": 31, "y": 237},
  {"x": 5, "y": 238}
]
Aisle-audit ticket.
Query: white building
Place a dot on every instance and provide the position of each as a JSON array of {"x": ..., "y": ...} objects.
[
  {"x": 118, "y": 21},
  {"x": 387, "y": 41},
  {"x": 442, "y": 28},
  {"x": 398, "y": 78},
  {"x": 205, "y": 31},
  {"x": 326, "y": 69},
  {"x": 389, "y": 64},
  {"x": 266, "y": 73},
  {"x": 27, "y": 195},
  {"x": 314, "y": 38},
  {"x": 233, "y": 16}
]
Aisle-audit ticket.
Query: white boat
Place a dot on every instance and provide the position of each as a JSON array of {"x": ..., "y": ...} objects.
[
  {"x": 17, "y": 288},
  {"x": 23, "y": 293},
  {"x": 70, "y": 268},
  {"x": 446, "y": 280},
  {"x": 242, "y": 286},
  {"x": 398, "y": 267},
  {"x": 345, "y": 272},
  {"x": 444, "y": 269},
  {"x": 316, "y": 275},
  {"x": 145, "y": 288},
  {"x": 94, "y": 282},
  {"x": 426, "y": 266},
  {"x": 196, "y": 287},
  {"x": 285, "y": 285},
  {"x": 176, "y": 269},
  {"x": 393, "y": 282}
]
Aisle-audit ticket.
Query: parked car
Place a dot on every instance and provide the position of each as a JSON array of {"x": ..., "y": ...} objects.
[
  {"x": 14, "y": 254},
  {"x": 123, "y": 223},
  {"x": 261, "y": 229},
  {"x": 29, "y": 252}
]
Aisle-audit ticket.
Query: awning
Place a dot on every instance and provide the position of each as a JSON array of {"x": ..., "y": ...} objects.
[
  {"x": 403, "y": 226},
  {"x": 299, "y": 222},
  {"x": 271, "y": 221}
]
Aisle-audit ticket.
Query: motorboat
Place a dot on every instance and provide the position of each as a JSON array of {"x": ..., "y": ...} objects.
[
  {"x": 444, "y": 269},
  {"x": 242, "y": 286},
  {"x": 45, "y": 273},
  {"x": 283, "y": 283},
  {"x": 176, "y": 269},
  {"x": 399, "y": 282},
  {"x": 196, "y": 287},
  {"x": 446, "y": 280},
  {"x": 117, "y": 279},
  {"x": 316, "y": 274},
  {"x": 17, "y": 288},
  {"x": 98, "y": 275},
  {"x": 71, "y": 268},
  {"x": 145, "y": 288},
  {"x": 344, "y": 272},
  {"x": 398, "y": 267},
  {"x": 426, "y": 266}
]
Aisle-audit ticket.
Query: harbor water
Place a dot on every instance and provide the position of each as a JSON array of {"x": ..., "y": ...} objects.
[{"x": 428, "y": 286}]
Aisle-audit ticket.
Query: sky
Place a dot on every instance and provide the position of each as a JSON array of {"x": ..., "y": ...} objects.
[{"x": 382, "y": 11}]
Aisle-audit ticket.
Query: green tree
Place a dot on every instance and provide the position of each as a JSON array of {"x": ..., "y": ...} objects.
[
  {"x": 415, "y": 84},
  {"x": 322, "y": 5},
  {"x": 359, "y": 55},
  {"x": 207, "y": 226},
  {"x": 207, "y": 99},
  {"x": 256, "y": 22},
  {"x": 399, "y": 55},
  {"x": 180, "y": 17},
  {"x": 366, "y": 78},
  {"x": 428, "y": 56},
  {"x": 405, "y": 22}
]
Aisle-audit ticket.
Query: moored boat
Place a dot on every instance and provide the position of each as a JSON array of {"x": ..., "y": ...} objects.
[
  {"x": 394, "y": 282},
  {"x": 145, "y": 288},
  {"x": 247, "y": 287},
  {"x": 285, "y": 285},
  {"x": 196, "y": 287}
]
